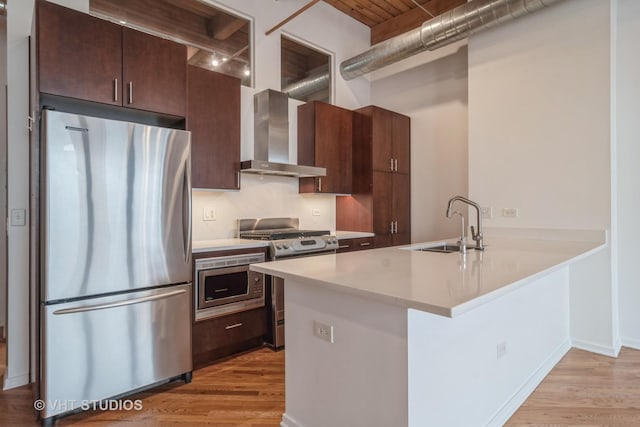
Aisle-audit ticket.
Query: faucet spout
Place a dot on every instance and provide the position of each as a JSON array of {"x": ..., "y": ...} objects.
[{"x": 476, "y": 234}]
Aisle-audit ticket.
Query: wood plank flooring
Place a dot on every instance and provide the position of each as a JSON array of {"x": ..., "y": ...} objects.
[
  {"x": 584, "y": 389},
  {"x": 246, "y": 391}
]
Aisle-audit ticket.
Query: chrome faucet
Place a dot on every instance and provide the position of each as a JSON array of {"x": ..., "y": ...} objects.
[
  {"x": 462, "y": 243},
  {"x": 475, "y": 235}
]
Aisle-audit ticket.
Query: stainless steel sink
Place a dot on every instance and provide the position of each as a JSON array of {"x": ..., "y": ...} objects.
[{"x": 445, "y": 248}]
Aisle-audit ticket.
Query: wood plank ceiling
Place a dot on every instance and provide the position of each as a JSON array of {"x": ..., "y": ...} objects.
[{"x": 388, "y": 18}]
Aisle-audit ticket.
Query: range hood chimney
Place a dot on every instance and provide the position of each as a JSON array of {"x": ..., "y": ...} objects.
[{"x": 271, "y": 139}]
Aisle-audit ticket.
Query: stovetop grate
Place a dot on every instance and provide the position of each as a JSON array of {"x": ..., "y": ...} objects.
[{"x": 281, "y": 234}]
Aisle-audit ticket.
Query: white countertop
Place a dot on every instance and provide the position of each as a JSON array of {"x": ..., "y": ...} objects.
[
  {"x": 342, "y": 234},
  {"x": 439, "y": 283},
  {"x": 225, "y": 244}
]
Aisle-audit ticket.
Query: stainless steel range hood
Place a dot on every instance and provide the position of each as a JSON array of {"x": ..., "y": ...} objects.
[{"x": 271, "y": 139}]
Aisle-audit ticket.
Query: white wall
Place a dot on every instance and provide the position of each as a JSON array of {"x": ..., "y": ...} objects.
[
  {"x": 359, "y": 380},
  {"x": 3, "y": 175},
  {"x": 455, "y": 375},
  {"x": 540, "y": 139},
  {"x": 628, "y": 169},
  {"x": 277, "y": 196},
  {"x": 431, "y": 88},
  {"x": 18, "y": 29}
]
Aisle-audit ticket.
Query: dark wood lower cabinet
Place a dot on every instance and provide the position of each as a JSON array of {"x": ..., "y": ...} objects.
[
  {"x": 223, "y": 336},
  {"x": 356, "y": 244}
]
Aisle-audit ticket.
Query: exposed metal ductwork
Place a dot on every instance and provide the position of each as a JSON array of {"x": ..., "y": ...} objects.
[
  {"x": 451, "y": 26},
  {"x": 307, "y": 86}
]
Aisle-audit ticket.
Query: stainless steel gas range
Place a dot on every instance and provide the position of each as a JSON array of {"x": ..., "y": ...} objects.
[{"x": 287, "y": 240}]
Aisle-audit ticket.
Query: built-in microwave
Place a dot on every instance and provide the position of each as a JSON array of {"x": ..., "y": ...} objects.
[{"x": 225, "y": 285}]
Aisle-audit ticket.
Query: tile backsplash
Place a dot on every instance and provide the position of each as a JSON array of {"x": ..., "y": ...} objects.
[{"x": 260, "y": 196}]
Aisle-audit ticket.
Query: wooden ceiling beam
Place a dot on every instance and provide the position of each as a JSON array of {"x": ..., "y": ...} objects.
[
  {"x": 290, "y": 17},
  {"x": 221, "y": 27},
  {"x": 411, "y": 19}
]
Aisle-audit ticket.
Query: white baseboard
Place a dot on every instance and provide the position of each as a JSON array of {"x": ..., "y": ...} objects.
[
  {"x": 518, "y": 398},
  {"x": 604, "y": 350},
  {"x": 14, "y": 382},
  {"x": 631, "y": 343},
  {"x": 287, "y": 421}
]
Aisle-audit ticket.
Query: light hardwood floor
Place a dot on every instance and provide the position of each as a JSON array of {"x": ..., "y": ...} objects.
[{"x": 584, "y": 389}]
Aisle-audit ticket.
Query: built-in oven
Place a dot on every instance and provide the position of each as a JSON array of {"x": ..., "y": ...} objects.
[{"x": 225, "y": 285}]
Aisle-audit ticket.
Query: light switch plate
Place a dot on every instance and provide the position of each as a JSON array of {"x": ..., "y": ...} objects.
[
  {"x": 315, "y": 212},
  {"x": 510, "y": 212}
]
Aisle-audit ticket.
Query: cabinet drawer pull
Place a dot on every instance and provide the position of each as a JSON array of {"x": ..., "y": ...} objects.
[
  {"x": 115, "y": 90},
  {"x": 365, "y": 244},
  {"x": 130, "y": 84},
  {"x": 343, "y": 246},
  {"x": 235, "y": 325}
]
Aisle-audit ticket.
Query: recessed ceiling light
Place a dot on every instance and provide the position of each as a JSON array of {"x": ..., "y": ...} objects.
[
  {"x": 225, "y": 59},
  {"x": 215, "y": 62},
  {"x": 247, "y": 72}
]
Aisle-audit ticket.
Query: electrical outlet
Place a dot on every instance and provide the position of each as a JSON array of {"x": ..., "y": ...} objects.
[
  {"x": 487, "y": 212},
  {"x": 323, "y": 331},
  {"x": 209, "y": 214},
  {"x": 18, "y": 217},
  {"x": 510, "y": 212},
  {"x": 315, "y": 212},
  {"x": 501, "y": 350}
]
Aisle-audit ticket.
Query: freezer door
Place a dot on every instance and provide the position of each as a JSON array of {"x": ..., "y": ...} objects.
[
  {"x": 117, "y": 203},
  {"x": 103, "y": 347}
]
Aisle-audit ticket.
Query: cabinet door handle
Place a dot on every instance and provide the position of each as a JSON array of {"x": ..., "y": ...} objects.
[
  {"x": 115, "y": 90},
  {"x": 235, "y": 325},
  {"x": 130, "y": 85},
  {"x": 391, "y": 227},
  {"x": 395, "y": 227},
  {"x": 365, "y": 244},
  {"x": 391, "y": 164},
  {"x": 395, "y": 167},
  {"x": 319, "y": 185},
  {"x": 238, "y": 180}
]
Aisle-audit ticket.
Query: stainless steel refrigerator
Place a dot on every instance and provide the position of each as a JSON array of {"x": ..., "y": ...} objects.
[{"x": 115, "y": 294}]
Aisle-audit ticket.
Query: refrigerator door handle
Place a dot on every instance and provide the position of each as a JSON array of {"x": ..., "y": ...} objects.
[
  {"x": 119, "y": 303},
  {"x": 186, "y": 212}
]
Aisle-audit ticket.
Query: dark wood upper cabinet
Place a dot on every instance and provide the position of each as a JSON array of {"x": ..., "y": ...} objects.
[
  {"x": 324, "y": 140},
  {"x": 83, "y": 57},
  {"x": 401, "y": 142},
  {"x": 381, "y": 199},
  {"x": 213, "y": 117},
  {"x": 79, "y": 56},
  {"x": 154, "y": 73}
]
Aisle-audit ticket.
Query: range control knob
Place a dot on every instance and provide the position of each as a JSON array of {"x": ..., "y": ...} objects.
[
  {"x": 286, "y": 246},
  {"x": 278, "y": 246}
]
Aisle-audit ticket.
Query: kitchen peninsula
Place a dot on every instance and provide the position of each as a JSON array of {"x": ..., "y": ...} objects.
[{"x": 398, "y": 336}]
